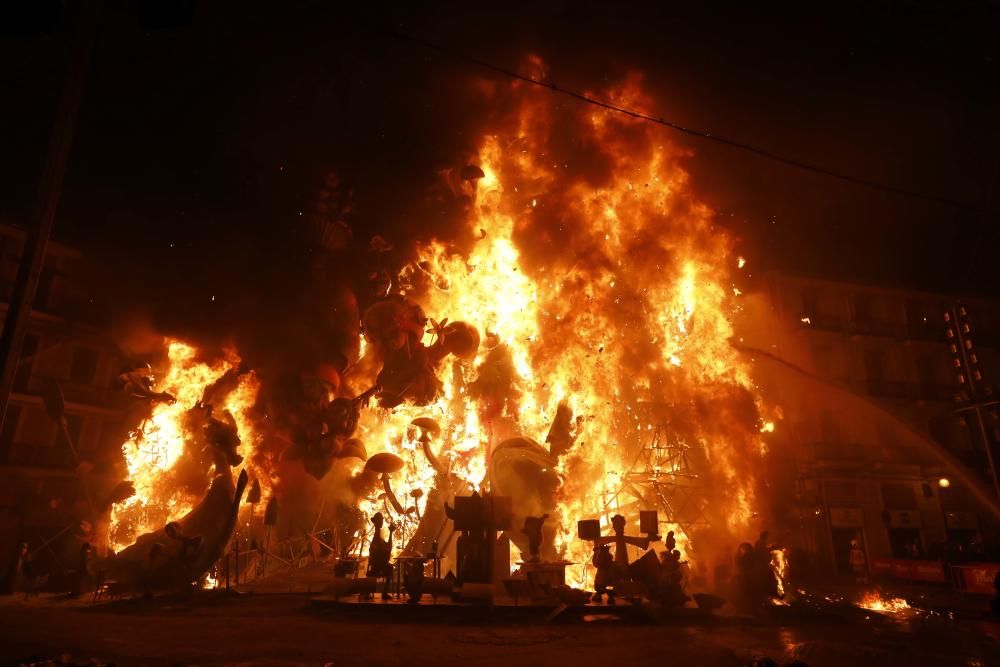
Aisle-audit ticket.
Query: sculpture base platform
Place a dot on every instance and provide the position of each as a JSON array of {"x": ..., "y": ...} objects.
[{"x": 545, "y": 574}]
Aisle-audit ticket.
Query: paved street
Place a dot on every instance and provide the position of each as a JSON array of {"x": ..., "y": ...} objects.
[{"x": 211, "y": 629}]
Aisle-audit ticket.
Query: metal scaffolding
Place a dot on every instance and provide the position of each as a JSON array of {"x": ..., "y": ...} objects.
[{"x": 662, "y": 474}]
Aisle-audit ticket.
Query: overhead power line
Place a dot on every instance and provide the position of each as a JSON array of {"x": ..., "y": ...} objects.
[{"x": 701, "y": 134}]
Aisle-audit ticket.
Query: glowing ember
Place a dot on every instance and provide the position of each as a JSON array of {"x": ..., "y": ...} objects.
[{"x": 875, "y": 601}]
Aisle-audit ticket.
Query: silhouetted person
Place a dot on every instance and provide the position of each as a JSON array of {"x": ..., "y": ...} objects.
[
  {"x": 11, "y": 571},
  {"x": 608, "y": 573},
  {"x": 670, "y": 590},
  {"x": 763, "y": 545},
  {"x": 22, "y": 569},
  {"x": 380, "y": 553},
  {"x": 82, "y": 575},
  {"x": 747, "y": 582},
  {"x": 28, "y": 579}
]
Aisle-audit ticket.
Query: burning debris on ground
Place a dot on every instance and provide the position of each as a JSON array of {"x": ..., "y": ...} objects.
[{"x": 553, "y": 379}]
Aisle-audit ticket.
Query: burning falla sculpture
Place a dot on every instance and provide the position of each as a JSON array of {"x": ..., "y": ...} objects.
[
  {"x": 615, "y": 289},
  {"x": 137, "y": 382},
  {"x": 395, "y": 327},
  {"x": 526, "y": 471},
  {"x": 328, "y": 435},
  {"x": 182, "y": 551}
]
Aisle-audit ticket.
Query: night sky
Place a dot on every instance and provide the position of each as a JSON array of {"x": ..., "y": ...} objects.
[{"x": 203, "y": 135}]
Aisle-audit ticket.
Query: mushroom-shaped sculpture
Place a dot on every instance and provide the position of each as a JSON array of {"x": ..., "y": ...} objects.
[
  {"x": 428, "y": 427},
  {"x": 385, "y": 463},
  {"x": 354, "y": 448},
  {"x": 429, "y": 430},
  {"x": 416, "y": 494}
]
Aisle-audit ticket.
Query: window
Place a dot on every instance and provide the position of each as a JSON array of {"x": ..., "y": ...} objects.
[
  {"x": 922, "y": 318},
  {"x": 74, "y": 424},
  {"x": 897, "y": 496},
  {"x": 928, "y": 374},
  {"x": 822, "y": 357},
  {"x": 9, "y": 433},
  {"x": 944, "y": 429},
  {"x": 810, "y": 303},
  {"x": 863, "y": 308},
  {"x": 829, "y": 427},
  {"x": 112, "y": 433},
  {"x": 43, "y": 295},
  {"x": 25, "y": 363},
  {"x": 956, "y": 498},
  {"x": 874, "y": 365},
  {"x": 841, "y": 494},
  {"x": 83, "y": 366}
]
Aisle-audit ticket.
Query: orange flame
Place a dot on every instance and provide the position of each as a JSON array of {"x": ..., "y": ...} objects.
[
  {"x": 606, "y": 295},
  {"x": 779, "y": 566},
  {"x": 609, "y": 293},
  {"x": 875, "y": 601},
  {"x": 156, "y": 450}
]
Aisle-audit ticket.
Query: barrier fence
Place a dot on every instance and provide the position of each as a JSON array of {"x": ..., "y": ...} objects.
[
  {"x": 975, "y": 577},
  {"x": 968, "y": 577}
]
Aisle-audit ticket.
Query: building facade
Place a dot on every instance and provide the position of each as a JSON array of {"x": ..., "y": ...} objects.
[
  {"x": 43, "y": 493},
  {"x": 883, "y": 401}
]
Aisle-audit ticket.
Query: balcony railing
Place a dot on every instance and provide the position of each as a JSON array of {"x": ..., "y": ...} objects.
[
  {"x": 881, "y": 328},
  {"x": 86, "y": 394},
  {"x": 912, "y": 391},
  {"x": 843, "y": 451},
  {"x": 884, "y": 328},
  {"x": 40, "y": 456},
  {"x": 925, "y": 331},
  {"x": 823, "y": 322}
]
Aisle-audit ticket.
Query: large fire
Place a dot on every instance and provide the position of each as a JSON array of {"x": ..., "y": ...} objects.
[
  {"x": 157, "y": 451},
  {"x": 606, "y": 296},
  {"x": 604, "y": 286}
]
